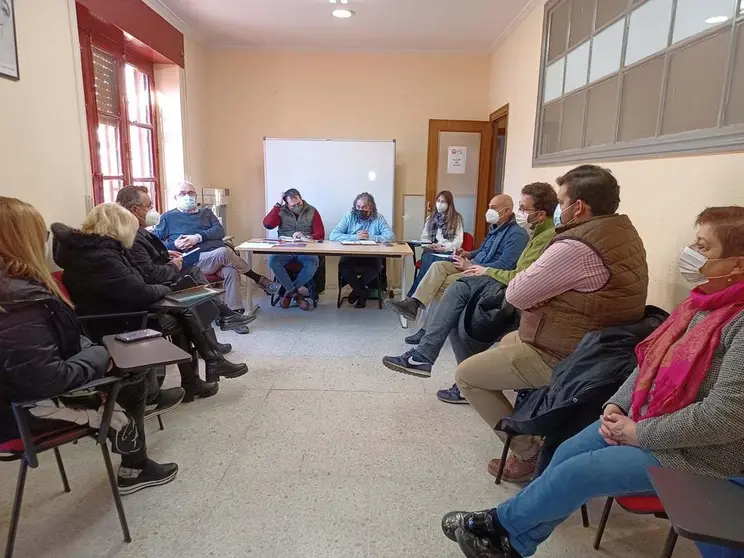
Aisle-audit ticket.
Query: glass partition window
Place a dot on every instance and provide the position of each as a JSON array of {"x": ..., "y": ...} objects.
[{"x": 623, "y": 79}]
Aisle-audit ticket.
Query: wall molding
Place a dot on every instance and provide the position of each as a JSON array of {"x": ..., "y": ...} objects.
[{"x": 531, "y": 6}]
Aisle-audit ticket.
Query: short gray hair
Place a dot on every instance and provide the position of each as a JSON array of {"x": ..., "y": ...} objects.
[{"x": 129, "y": 196}]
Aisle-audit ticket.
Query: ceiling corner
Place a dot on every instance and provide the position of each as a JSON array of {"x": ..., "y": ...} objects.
[
  {"x": 531, "y": 6},
  {"x": 171, "y": 17}
]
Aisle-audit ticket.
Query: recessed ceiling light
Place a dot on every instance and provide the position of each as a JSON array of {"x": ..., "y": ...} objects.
[
  {"x": 342, "y": 14},
  {"x": 342, "y": 1},
  {"x": 716, "y": 19}
]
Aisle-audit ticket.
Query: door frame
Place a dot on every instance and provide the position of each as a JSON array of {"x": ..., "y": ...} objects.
[
  {"x": 497, "y": 115},
  {"x": 485, "y": 129}
]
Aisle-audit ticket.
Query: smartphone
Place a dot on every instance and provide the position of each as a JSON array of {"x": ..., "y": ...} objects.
[{"x": 139, "y": 335}]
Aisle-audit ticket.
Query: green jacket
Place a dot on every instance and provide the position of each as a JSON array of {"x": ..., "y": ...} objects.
[{"x": 541, "y": 237}]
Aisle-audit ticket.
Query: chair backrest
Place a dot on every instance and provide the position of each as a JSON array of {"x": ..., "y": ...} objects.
[
  {"x": 468, "y": 242},
  {"x": 57, "y": 276}
]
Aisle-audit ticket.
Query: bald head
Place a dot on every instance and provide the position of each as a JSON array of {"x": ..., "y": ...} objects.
[{"x": 503, "y": 204}]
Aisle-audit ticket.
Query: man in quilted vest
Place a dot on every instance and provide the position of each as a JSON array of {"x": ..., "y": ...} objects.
[
  {"x": 298, "y": 220},
  {"x": 593, "y": 275}
]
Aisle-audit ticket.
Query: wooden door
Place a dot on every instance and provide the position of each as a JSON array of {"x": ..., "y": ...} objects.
[{"x": 459, "y": 160}]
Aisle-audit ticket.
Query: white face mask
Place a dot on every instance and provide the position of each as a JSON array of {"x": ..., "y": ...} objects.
[
  {"x": 690, "y": 264},
  {"x": 442, "y": 207},
  {"x": 151, "y": 218},
  {"x": 523, "y": 219},
  {"x": 186, "y": 202},
  {"x": 492, "y": 216}
]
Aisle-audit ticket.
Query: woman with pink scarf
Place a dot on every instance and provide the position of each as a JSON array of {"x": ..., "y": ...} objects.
[{"x": 682, "y": 408}]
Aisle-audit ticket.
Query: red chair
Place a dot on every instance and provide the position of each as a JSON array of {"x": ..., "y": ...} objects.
[
  {"x": 26, "y": 449},
  {"x": 641, "y": 505},
  {"x": 214, "y": 279}
]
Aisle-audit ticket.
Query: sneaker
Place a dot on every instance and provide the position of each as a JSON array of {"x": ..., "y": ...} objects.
[
  {"x": 453, "y": 521},
  {"x": 516, "y": 470},
  {"x": 168, "y": 399},
  {"x": 242, "y": 330},
  {"x": 452, "y": 395},
  {"x": 302, "y": 302},
  {"x": 153, "y": 474},
  {"x": 285, "y": 302},
  {"x": 408, "y": 307},
  {"x": 410, "y": 362},
  {"x": 416, "y": 338},
  {"x": 270, "y": 287},
  {"x": 474, "y": 546}
]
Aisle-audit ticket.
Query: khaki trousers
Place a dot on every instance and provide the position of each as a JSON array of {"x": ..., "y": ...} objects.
[
  {"x": 440, "y": 276},
  {"x": 511, "y": 364}
]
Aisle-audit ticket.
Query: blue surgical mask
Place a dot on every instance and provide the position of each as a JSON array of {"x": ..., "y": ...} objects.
[
  {"x": 186, "y": 203},
  {"x": 558, "y": 214}
]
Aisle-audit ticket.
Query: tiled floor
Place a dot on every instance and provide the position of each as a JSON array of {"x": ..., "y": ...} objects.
[{"x": 318, "y": 452}]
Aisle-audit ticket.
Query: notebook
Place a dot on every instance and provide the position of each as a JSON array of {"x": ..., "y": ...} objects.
[
  {"x": 188, "y": 295},
  {"x": 359, "y": 242}
]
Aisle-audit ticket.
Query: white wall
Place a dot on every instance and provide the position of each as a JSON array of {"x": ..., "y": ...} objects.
[
  {"x": 43, "y": 139},
  {"x": 661, "y": 196}
]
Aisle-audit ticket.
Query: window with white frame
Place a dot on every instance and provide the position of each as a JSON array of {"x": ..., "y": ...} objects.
[{"x": 625, "y": 79}]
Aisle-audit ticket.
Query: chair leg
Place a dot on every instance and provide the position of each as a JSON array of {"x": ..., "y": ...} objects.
[
  {"x": 16, "y": 513},
  {"x": 61, "y": 466},
  {"x": 160, "y": 423},
  {"x": 603, "y": 522},
  {"x": 115, "y": 491},
  {"x": 584, "y": 516},
  {"x": 504, "y": 455},
  {"x": 670, "y": 544}
]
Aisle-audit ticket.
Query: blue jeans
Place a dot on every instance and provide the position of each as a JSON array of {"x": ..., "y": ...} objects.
[
  {"x": 427, "y": 258},
  {"x": 278, "y": 264},
  {"x": 582, "y": 468}
]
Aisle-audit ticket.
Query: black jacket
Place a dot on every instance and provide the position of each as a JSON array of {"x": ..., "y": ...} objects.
[
  {"x": 602, "y": 361},
  {"x": 151, "y": 255},
  {"x": 42, "y": 353},
  {"x": 100, "y": 274}
]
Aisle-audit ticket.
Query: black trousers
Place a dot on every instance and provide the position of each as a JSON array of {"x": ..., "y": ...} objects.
[
  {"x": 351, "y": 268},
  {"x": 132, "y": 398}
]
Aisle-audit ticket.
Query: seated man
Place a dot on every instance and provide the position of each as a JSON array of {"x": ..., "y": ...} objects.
[
  {"x": 593, "y": 275},
  {"x": 296, "y": 219},
  {"x": 536, "y": 210},
  {"x": 189, "y": 227},
  {"x": 501, "y": 249},
  {"x": 681, "y": 408},
  {"x": 161, "y": 267},
  {"x": 362, "y": 223}
]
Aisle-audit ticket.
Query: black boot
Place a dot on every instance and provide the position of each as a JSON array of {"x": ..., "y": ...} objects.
[
  {"x": 223, "y": 348},
  {"x": 192, "y": 384},
  {"x": 216, "y": 364}
]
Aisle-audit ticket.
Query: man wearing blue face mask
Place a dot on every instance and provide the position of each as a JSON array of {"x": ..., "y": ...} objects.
[{"x": 188, "y": 227}]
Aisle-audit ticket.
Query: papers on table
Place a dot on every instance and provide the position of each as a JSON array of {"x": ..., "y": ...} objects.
[
  {"x": 254, "y": 245},
  {"x": 303, "y": 238},
  {"x": 358, "y": 242}
]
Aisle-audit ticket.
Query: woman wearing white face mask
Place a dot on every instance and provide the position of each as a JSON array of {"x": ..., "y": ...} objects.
[
  {"x": 444, "y": 229},
  {"x": 681, "y": 408}
]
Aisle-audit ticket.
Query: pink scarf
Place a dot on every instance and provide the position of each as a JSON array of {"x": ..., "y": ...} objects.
[{"x": 673, "y": 361}]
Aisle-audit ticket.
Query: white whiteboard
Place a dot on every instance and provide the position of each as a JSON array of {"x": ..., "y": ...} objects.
[{"x": 330, "y": 173}]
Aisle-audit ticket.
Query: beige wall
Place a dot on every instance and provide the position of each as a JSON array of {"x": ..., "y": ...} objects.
[
  {"x": 253, "y": 94},
  {"x": 195, "y": 108},
  {"x": 661, "y": 196},
  {"x": 43, "y": 149}
]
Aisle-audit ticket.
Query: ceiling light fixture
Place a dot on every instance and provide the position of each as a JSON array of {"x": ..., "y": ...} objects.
[
  {"x": 343, "y": 14},
  {"x": 717, "y": 19},
  {"x": 342, "y": 1}
]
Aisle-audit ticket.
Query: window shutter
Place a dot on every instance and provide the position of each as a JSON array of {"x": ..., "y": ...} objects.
[{"x": 107, "y": 92}]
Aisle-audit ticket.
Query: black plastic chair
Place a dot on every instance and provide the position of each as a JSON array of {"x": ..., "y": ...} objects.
[
  {"x": 379, "y": 284},
  {"x": 27, "y": 448}
]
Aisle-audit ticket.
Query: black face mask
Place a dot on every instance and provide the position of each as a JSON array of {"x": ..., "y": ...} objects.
[{"x": 362, "y": 214}]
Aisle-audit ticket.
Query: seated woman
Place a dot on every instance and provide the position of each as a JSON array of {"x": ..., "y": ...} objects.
[
  {"x": 444, "y": 229},
  {"x": 682, "y": 407},
  {"x": 102, "y": 278},
  {"x": 362, "y": 223},
  {"x": 41, "y": 349}
]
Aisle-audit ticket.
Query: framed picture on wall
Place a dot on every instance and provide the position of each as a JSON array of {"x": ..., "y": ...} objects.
[{"x": 8, "y": 44}]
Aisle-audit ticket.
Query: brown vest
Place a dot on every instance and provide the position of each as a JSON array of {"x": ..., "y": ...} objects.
[{"x": 557, "y": 327}]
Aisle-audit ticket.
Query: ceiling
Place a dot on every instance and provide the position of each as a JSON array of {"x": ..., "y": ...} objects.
[{"x": 434, "y": 25}]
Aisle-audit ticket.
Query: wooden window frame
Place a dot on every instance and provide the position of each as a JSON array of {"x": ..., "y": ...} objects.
[
  {"x": 89, "y": 39},
  {"x": 721, "y": 139}
]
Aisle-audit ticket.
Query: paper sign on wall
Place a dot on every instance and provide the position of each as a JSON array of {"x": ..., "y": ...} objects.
[{"x": 457, "y": 158}]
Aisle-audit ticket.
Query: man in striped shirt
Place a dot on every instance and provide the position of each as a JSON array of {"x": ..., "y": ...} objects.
[{"x": 593, "y": 275}]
